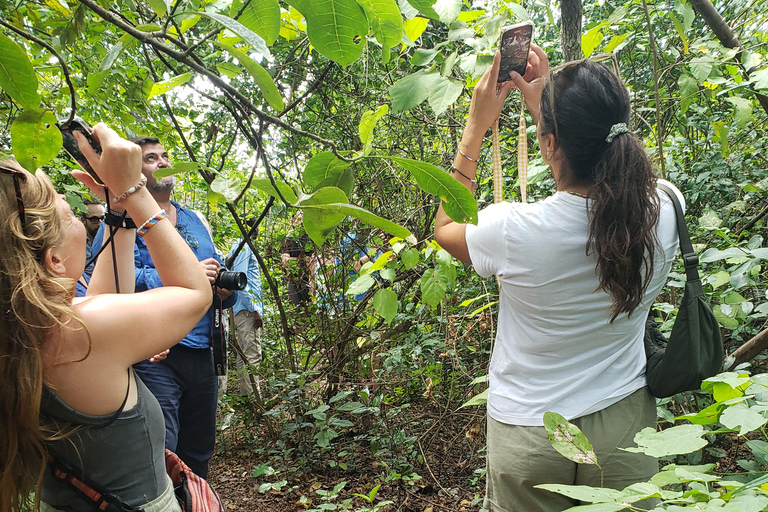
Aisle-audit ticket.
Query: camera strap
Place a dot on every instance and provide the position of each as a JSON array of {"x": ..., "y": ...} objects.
[{"x": 218, "y": 336}]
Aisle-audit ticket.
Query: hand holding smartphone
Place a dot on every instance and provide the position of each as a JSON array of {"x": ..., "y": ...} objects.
[
  {"x": 67, "y": 129},
  {"x": 514, "y": 46}
]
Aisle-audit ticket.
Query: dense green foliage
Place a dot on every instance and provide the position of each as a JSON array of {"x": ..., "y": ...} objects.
[{"x": 350, "y": 109}]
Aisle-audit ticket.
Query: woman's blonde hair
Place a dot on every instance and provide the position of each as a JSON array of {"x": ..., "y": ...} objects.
[{"x": 35, "y": 303}]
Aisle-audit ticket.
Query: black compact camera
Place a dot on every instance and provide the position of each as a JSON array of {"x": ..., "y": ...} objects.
[
  {"x": 230, "y": 280},
  {"x": 69, "y": 142}
]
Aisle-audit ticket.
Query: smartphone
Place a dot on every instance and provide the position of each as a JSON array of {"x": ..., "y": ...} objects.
[
  {"x": 515, "y": 42},
  {"x": 67, "y": 129}
]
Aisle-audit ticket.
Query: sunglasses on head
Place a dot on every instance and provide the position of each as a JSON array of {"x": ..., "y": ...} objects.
[
  {"x": 602, "y": 57},
  {"x": 17, "y": 176}
]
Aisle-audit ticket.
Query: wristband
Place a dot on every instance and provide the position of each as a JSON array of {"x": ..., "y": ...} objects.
[
  {"x": 473, "y": 182},
  {"x": 151, "y": 222},
  {"x": 118, "y": 219}
]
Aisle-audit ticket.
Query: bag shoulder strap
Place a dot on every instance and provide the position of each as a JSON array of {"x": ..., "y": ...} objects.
[{"x": 690, "y": 258}]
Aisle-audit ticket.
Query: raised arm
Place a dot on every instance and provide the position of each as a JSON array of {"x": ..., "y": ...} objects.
[{"x": 130, "y": 328}]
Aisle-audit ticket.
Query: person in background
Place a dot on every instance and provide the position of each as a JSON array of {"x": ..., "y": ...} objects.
[
  {"x": 185, "y": 381},
  {"x": 91, "y": 218},
  {"x": 578, "y": 273},
  {"x": 295, "y": 254},
  {"x": 248, "y": 310}
]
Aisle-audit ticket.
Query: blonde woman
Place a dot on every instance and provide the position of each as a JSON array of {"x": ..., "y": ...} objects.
[{"x": 67, "y": 388}]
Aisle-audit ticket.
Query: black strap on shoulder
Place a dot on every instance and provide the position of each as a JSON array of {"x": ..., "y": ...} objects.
[
  {"x": 690, "y": 258},
  {"x": 122, "y": 406}
]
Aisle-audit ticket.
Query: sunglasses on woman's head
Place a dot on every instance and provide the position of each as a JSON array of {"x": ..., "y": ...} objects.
[
  {"x": 602, "y": 57},
  {"x": 16, "y": 176}
]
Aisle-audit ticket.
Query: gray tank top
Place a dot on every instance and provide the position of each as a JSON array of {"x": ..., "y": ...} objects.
[{"x": 125, "y": 458}]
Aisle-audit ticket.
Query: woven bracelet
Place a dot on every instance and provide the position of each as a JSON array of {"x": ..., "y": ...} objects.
[
  {"x": 142, "y": 182},
  {"x": 151, "y": 222},
  {"x": 468, "y": 158}
]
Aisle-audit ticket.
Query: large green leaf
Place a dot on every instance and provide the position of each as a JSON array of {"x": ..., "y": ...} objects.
[
  {"x": 744, "y": 418},
  {"x": 326, "y": 170},
  {"x": 568, "y": 439},
  {"x": 444, "y": 93},
  {"x": 587, "y": 494},
  {"x": 447, "y": 10},
  {"x": 386, "y": 23},
  {"x": 408, "y": 92},
  {"x": 266, "y": 186},
  {"x": 260, "y": 76},
  {"x": 433, "y": 285},
  {"x": 760, "y": 79},
  {"x": 320, "y": 222},
  {"x": 677, "y": 440},
  {"x": 425, "y": 8},
  {"x": 249, "y": 36},
  {"x": 479, "y": 399},
  {"x": 591, "y": 40},
  {"x": 337, "y": 29},
  {"x": 458, "y": 201},
  {"x": 159, "y": 6},
  {"x": 261, "y": 16},
  {"x": 229, "y": 188},
  {"x": 361, "y": 285},
  {"x": 17, "y": 76},
  {"x": 367, "y": 124},
  {"x": 166, "y": 85},
  {"x": 112, "y": 56},
  {"x": 365, "y": 216},
  {"x": 689, "y": 88},
  {"x": 35, "y": 138},
  {"x": 742, "y": 112},
  {"x": 180, "y": 167}
]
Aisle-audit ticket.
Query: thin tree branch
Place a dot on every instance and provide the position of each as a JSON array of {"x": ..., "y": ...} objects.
[
  {"x": 149, "y": 38},
  {"x": 659, "y": 124}
]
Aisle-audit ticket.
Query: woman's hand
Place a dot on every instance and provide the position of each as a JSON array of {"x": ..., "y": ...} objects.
[
  {"x": 532, "y": 84},
  {"x": 487, "y": 99},
  {"x": 118, "y": 166}
]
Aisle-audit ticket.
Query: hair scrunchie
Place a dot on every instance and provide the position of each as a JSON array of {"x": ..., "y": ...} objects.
[{"x": 616, "y": 130}]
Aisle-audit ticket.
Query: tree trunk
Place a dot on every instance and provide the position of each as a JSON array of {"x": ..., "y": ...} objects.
[
  {"x": 724, "y": 34},
  {"x": 570, "y": 31},
  {"x": 748, "y": 350}
]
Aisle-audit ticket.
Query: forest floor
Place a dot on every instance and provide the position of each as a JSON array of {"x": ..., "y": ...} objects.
[{"x": 446, "y": 441}]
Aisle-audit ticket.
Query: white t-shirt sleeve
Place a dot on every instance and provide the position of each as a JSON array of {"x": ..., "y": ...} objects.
[{"x": 487, "y": 242}]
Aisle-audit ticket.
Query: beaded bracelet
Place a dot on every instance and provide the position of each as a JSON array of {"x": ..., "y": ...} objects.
[
  {"x": 468, "y": 158},
  {"x": 473, "y": 182},
  {"x": 151, "y": 222},
  {"x": 142, "y": 182}
]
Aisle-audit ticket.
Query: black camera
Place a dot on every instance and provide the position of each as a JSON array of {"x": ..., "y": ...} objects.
[{"x": 231, "y": 280}]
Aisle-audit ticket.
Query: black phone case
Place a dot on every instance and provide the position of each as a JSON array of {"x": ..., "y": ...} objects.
[
  {"x": 514, "y": 46},
  {"x": 70, "y": 143}
]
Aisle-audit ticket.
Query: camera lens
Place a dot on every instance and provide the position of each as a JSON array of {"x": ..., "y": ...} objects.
[{"x": 231, "y": 280}]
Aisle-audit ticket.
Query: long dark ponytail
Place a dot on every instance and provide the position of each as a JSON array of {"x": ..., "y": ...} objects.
[{"x": 588, "y": 101}]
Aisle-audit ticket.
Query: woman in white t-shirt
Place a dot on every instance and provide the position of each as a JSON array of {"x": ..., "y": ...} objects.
[{"x": 578, "y": 272}]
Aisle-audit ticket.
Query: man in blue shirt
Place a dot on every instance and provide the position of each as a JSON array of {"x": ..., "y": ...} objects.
[
  {"x": 184, "y": 381},
  {"x": 248, "y": 310}
]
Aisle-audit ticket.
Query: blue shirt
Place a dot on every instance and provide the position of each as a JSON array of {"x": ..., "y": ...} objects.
[
  {"x": 193, "y": 231},
  {"x": 250, "y": 298}
]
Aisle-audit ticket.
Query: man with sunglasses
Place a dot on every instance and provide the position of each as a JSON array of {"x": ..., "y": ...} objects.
[
  {"x": 91, "y": 218},
  {"x": 184, "y": 380}
]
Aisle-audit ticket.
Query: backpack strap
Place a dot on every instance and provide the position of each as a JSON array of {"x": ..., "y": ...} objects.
[
  {"x": 690, "y": 258},
  {"x": 101, "y": 500}
]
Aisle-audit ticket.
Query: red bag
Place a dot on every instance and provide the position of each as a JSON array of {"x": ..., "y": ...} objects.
[{"x": 194, "y": 493}]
